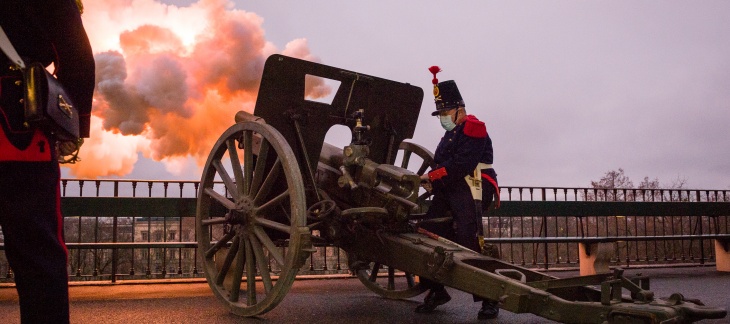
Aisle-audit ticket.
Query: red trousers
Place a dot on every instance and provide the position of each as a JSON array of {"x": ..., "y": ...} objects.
[{"x": 31, "y": 221}]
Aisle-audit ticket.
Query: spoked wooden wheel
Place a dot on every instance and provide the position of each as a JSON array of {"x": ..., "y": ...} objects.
[
  {"x": 243, "y": 223},
  {"x": 389, "y": 282}
]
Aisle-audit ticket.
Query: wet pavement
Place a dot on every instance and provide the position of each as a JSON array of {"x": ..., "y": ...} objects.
[{"x": 339, "y": 300}]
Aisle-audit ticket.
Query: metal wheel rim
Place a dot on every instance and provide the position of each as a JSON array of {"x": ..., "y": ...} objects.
[
  {"x": 249, "y": 248},
  {"x": 389, "y": 282}
]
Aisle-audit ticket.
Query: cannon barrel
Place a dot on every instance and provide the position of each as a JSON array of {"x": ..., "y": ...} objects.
[
  {"x": 367, "y": 183},
  {"x": 244, "y": 116}
]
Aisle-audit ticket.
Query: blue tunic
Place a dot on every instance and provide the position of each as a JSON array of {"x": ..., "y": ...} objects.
[{"x": 457, "y": 155}]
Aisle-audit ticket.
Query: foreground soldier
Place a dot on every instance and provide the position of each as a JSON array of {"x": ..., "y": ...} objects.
[
  {"x": 464, "y": 153},
  {"x": 45, "y": 31}
]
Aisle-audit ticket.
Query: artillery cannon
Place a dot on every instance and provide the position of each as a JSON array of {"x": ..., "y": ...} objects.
[{"x": 272, "y": 189}]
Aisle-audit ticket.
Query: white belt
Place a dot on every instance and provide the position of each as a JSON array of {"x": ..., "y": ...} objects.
[{"x": 474, "y": 180}]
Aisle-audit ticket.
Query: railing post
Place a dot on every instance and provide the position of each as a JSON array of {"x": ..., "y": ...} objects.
[
  {"x": 339, "y": 266},
  {"x": 324, "y": 266},
  {"x": 701, "y": 229},
  {"x": 132, "y": 260},
  {"x": 96, "y": 251},
  {"x": 179, "y": 239},
  {"x": 702, "y": 244},
  {"x": 115, "y": 254},
  {"x": 78, "y": 252},
  {"x": 544, "y": 225}
]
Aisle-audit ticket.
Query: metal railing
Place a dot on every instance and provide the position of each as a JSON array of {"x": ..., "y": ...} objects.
[
  {"x": 539, "y": 227},
  {"x": 138, "y": 229}
]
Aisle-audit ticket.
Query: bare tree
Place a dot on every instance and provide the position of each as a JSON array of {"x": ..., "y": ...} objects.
[
  {"x": 649, "y": 190},
  {"x": 611, "y": 187},
  {"x": 675, "y": 193}
]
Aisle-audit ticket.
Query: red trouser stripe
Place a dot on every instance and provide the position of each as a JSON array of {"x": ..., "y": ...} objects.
[
  {"x": 59, "y": 219},
  {"x": 496, "y": 188}
]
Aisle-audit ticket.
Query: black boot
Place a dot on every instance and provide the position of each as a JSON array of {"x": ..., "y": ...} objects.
[
  {"x": 489, "y": 310},
  {"x": 434, "y": 298}
]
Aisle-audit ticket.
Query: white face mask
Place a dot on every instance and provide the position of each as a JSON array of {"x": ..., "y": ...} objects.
[{"x": 447, "y": 123}]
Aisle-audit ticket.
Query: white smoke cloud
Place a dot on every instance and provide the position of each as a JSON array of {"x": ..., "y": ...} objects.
[
  {"x": 107, "y": 153},
  {"x": 170, "y": 79}
]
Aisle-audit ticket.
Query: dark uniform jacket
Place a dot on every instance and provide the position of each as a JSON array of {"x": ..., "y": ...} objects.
[
  {"x": 457, "y": 155},
  {"x": 50, "y": 31},
  {"x": 459, "y": 152}
]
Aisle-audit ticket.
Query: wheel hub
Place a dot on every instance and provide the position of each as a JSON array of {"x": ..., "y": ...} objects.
[{"x": 243, "y": 213}]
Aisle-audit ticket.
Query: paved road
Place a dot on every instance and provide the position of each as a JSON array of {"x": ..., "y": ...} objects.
[{"x": 337, "y": 301}]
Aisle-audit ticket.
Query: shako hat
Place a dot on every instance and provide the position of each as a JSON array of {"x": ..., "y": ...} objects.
[{"x": 446, "y": 94}]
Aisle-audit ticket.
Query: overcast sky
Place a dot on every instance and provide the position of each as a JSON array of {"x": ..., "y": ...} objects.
[{"x": 568, "y": 89}]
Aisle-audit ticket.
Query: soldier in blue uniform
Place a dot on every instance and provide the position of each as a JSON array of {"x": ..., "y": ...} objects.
[
  {"x": 45, "y": 31},
  {"x": 463, "y": 183}
]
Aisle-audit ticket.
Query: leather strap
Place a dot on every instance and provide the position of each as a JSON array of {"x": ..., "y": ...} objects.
[{"x": 9, "y": 50}]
